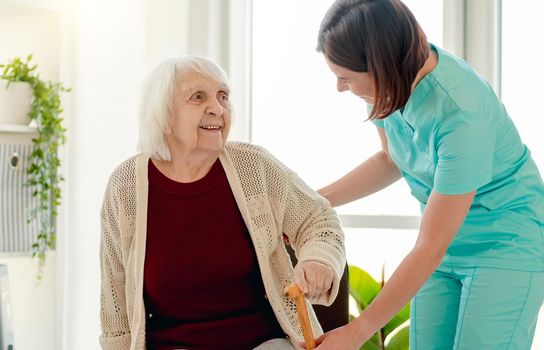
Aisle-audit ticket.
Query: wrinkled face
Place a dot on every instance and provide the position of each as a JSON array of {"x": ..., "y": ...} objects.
[
  {"x": 201, "y": 115},
  {"x": 359, "y": 83}
]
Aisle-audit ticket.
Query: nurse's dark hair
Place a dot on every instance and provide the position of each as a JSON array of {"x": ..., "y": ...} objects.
[{"x": 381, "y": 37}]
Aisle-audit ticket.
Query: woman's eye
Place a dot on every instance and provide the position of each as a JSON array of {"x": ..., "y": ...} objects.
[
  {"x": 196, "y": 97},
  {"x": 223, "y": 97}
]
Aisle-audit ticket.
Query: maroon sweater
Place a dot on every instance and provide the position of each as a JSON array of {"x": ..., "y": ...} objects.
[{"x": 202, "y": 285}]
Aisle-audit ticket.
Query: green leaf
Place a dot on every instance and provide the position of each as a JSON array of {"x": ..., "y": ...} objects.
[
  {"x": 372, "y": 344},
  {"x": 362, "y": 286},
  {"x": 402, "y": 316},
  {"x": 399, "y": 339}
]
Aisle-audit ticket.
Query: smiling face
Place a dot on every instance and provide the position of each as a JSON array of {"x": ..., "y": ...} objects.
[
  {"x": 359, "y": 83},
  {"x": 201, "y": 116}
]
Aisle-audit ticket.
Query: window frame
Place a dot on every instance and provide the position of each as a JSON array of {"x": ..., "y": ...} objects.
[{"x": 471, "y": 31}]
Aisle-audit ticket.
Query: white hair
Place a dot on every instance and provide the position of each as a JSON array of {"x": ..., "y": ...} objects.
[{"x": 157, "y": 99}]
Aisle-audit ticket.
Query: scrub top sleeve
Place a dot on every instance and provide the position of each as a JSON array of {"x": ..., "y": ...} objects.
[{"x": 465, "y": 148}]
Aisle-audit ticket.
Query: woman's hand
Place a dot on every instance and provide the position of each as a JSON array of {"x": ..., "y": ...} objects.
[
  {"x": 313, "y": 278},
  {"x": 342, "y": 338}
]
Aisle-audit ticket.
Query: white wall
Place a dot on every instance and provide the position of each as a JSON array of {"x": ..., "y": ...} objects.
[
  {"x": 36, "y": 33},
  {"x": 166, "y": 29},
  {"x": 33, "y": 305},
  {"x": 106, "y": 58}
]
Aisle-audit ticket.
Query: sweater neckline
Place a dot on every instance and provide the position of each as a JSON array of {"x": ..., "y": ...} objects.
[{"x": 203, "y": 185}]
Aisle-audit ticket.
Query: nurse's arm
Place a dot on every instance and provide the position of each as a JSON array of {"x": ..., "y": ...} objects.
[
  {"x": 374, "y": 174},
  {"x": 443, "y": 216}
]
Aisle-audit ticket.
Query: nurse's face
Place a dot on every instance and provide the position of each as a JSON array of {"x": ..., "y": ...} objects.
[{"x": 359, "y": 83}]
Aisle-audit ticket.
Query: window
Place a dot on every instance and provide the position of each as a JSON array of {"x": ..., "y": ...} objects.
[
  {"x": 522, "y": 73},
  {"x": 321, "y": 134},
  {"x": 521, "y": 84}
]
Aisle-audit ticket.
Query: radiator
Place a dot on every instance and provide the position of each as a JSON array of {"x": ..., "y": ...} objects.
[{"x": 16, "y": 201}]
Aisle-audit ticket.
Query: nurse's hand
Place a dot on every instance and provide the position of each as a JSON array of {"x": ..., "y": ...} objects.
[
  {"x": 342, "y": 338},
  {"x": 313, "y": 278}
]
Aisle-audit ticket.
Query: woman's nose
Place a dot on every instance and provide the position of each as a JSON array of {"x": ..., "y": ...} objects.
[
  {"x": 215, "y": 108},
  {"x": 341, "y": 87}
]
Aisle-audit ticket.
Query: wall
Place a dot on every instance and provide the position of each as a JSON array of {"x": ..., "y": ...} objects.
[
  {"x": 24, "y": 31},
  {"x": 106, "y": 56},
  {"x": 33, "y": 305},
  {"x": 32, "y": 32}
]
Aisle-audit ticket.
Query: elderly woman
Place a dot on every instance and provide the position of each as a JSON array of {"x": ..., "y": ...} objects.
[{"x": 193, "y": 229}]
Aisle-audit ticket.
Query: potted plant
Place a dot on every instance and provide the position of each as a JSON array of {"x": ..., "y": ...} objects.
[
  {"x": 15, "y": 100},
  {"x": 43, "y": 166},
  {"x": 395, "y": 334}
]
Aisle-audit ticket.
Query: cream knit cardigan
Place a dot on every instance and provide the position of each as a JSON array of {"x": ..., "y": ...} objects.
[{"x": 271, "y": 198}]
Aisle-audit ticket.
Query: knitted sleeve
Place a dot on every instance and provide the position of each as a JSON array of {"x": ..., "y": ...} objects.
[
  {"x": 307, "y": 218},
  {"x": 113, "y": 311},
  {"x": 314, "y": 230}
]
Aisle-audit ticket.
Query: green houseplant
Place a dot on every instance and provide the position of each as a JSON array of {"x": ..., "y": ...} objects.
[
  {"x": 43, "y": 167},
  {"x": 395, "y": 334}
]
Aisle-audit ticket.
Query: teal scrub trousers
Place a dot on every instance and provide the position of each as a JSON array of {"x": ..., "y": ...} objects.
[{"x": 476, "y": 308}]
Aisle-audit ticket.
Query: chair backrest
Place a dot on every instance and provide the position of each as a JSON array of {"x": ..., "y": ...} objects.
[{"x": 337, "y": 314}]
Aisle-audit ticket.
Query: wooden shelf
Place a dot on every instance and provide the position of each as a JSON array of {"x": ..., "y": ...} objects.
[
  {"x": 17, "y": 129},
  {"x": 5, "y": 255}
]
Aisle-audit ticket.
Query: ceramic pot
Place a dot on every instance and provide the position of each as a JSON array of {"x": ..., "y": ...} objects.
[{"x": 15, "y": 103}]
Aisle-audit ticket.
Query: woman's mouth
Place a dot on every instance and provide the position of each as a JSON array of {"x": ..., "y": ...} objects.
[{"x": 210, "y": 127}]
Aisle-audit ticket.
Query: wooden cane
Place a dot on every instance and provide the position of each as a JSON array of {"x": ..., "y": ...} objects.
[{"x": 293, "y": 292}]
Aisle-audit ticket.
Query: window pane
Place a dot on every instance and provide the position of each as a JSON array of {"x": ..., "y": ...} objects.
[
  {"x": 522, "y": 77},
  {"x": 429, "y": 14},
  {"x": 522, "y": 73},
  {"x": 297, "y": 113},
  {"x": 370, "y": 249}
]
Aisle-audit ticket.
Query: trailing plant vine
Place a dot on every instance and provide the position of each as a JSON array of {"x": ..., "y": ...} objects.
[{"x": 43, "y": 169}]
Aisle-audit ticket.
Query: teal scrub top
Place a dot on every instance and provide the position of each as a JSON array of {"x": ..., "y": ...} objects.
[{"x": 454, "y": 136}]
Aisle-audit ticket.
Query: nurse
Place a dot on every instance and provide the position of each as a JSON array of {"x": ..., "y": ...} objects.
[{"x": 476, "y": 272}]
